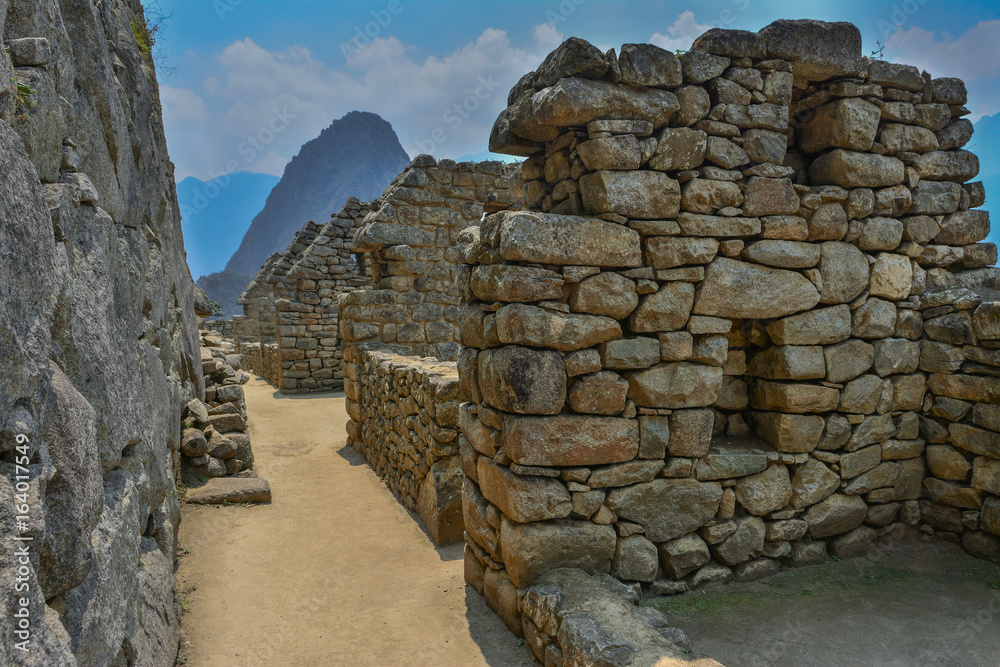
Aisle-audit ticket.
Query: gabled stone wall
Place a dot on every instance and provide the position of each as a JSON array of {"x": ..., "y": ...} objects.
[
  {"x": 319, "y": 265},
  {"x": 723, "y": 338},
  {"x": 410, "y": 241},
  {"x": 257, "y": 324}
]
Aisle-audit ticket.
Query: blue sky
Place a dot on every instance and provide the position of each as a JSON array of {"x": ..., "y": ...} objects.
[{"x": 245, "y": 83}]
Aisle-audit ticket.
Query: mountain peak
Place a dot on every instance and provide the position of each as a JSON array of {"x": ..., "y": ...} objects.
[{"x": 356, "y": 155}]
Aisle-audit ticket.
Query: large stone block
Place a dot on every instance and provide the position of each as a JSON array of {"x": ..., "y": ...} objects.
[
  {"x": 675, "y": 385},
  {"x": 848, "y": 122},
  {"x": 818, "y": 49},
  {"x": 678, "y": 149},
  {"x": 530, "y": 550},
  {"x": 789, "y": 362},
  {"x": 957, "y": 166},
  {"x": 522, "y": 380},
  {"x": 850, "y": 169},
  {"x": 665, "y": 252},
  {"x": 789, "y": 433},
  {"x": 539, "y": 327},
  {"x": 667, "y": 508},
  {"x": 793, "y": 398},
  {"x": 497, "y": 282},
  {"x": 541, "y": 238},
  {"x": 816, "y": 327},
  {"x": 576, "y": 101},
  {"x": 667, "y": 309},
  {"x": 684, "y": 555},
  {"x": 835, "y": 515},
  {"x": 964, "y": 227},
  {"x": 647, "y": 65},
  {"x": 649, "y": 195},
  {"x": 606, "y": 293},
  {"x": 570, "y": 440},
  {"x": 812, "y": 483},
  {"x": 739, "y": 290},
  {"x": 744, "y": 544},
  {"x": 766, "y": 491},
  {"x": 520, "y": 497},
  {"x": 844, "y": 270}
]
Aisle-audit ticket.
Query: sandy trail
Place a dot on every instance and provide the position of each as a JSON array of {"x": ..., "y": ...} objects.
[{"x": 334, "y": 572}]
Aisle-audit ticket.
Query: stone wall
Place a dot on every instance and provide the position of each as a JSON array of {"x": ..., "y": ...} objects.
[
  {"x": 99, "y": 339},
  {"x": 216, "y": 439},
  {"x": 410, "y": 242},
  {"x": 319, "y": 265},
  {"x": 400, "y": 394},
  {"x": 404, "y": 421},
  {"x": 725, "y": 335},
  {"x": 257, "y": 324},
  {"x": 223, "y": 328},
  {"x": 262, "y": 359}
]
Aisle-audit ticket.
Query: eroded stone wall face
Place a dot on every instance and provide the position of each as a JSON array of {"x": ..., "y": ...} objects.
[
  {"x": 98, "y": 340},
  {"x": 401, "y": 338},
  {"x": 404, "y": 414},
  {"x": 747, "y": 323}
]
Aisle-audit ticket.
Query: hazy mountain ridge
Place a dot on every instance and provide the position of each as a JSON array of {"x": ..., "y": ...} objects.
[{"x": 358, "y": 155}]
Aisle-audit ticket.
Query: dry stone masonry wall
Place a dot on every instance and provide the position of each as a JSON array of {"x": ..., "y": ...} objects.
[
  {"x": 401, "y": 339},
  {"x": 322, "y": 266},
  {"x": 404, "y": 421},
  {"x": 747, "y": 321},
  {"x": 410, "y": 242}
]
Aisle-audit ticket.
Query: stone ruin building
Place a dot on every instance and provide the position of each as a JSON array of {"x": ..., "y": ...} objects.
[{"x": 734, "y": 314}]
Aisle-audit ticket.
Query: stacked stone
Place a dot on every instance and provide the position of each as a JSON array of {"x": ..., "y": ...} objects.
[
  {"x": 960, "y": 350},
  {"x": 223, "y": 328},
  {"x": 318, "y": 266},
  {"x": 410, "y": 241},
  {"x": 404, "y": 421},
  {"x": 215, "y": 441},
  {"x": 721, "y": 370},
  {"x": 262, "y": 359},
  {"x": 257, "y": 324}
]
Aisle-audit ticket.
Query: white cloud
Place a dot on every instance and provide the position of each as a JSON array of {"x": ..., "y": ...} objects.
[
  {"x": 973, "y": 57},
  {"x": 182, "y": 105},
  {"x": 444, "y": 105},
  {"x": 681, "y": 34}
]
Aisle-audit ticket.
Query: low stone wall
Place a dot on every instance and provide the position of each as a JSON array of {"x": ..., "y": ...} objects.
[
  {"x": 216, "y": 440},
  {"x": 404, "y": 421},
  {"x": 262, "y": 359},
  {"x": 736, "y": 361},
  {"x": 573, "y": 618},
  {"x": 223, "y": 328}
]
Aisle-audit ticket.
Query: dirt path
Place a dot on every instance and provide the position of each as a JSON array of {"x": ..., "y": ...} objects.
[{"x": 334, "y": 572}]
